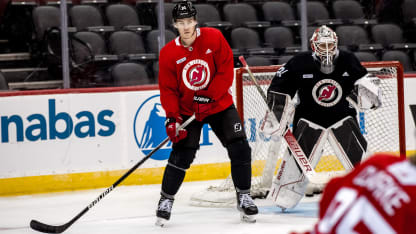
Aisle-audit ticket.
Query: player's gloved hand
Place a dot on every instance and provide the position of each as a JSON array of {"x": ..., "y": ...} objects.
[
  {"x": 202, "y": 105},
  {"x": 172, "y": 129},
  {"x": 270, "y": 127}
]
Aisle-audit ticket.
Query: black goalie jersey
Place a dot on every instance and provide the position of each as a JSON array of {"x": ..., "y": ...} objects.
[{"x": 322, "y": 96}]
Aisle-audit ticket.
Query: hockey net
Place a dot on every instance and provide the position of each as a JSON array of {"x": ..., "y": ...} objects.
[{"x": 383, "y": 128}]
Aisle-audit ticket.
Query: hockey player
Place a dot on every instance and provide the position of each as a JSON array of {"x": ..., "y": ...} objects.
[
  {"x": 195, "y": 76},
  {"x": 323, "y": 80},
  {"x": 378, "y": 196}
]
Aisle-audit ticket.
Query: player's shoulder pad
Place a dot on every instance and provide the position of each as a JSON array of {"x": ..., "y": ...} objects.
[{"x": 209, "y": 30}]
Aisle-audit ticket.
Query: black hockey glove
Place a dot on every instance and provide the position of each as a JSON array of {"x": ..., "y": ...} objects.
[{"x": 202, "y": 105}]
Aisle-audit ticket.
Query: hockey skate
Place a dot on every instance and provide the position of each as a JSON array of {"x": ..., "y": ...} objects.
[
  {"x": 163, "y": 211},
  {"x": 247, "y": 208}
]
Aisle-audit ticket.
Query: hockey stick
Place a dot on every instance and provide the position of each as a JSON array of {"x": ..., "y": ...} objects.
[
  {"x": 293, "y": 145},
  {"x": 46, "y": 228}
]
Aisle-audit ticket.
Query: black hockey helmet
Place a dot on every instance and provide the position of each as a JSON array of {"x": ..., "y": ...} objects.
[{"x": 183, "y": 10}]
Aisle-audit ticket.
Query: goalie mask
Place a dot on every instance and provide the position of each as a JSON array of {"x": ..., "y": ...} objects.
[{"x": 324, "y": 44}]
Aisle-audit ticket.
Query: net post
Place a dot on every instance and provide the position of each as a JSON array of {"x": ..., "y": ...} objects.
[
  {"x": 400, "y": 100},
  {"x": 239, "y": 93}
]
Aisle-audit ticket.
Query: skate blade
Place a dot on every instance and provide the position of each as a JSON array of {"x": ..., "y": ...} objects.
[
  {"x": 160, "y": 222},
  {"x": 247, "y": 218}
]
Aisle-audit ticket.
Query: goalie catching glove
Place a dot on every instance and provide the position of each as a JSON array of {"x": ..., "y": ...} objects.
[
  {"x": 366, "y": 94},
  {"x": 175, "y": 134}
]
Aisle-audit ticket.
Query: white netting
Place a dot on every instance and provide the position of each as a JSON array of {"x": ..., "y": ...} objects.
[{"x": 380, "y": 127}]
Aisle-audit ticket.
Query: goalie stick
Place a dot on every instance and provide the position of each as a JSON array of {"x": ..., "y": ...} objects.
[
  {"x": 293, "y": 145},
  {"x": 46, "y": 228}
]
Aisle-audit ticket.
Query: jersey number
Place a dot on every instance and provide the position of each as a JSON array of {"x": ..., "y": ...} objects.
[{"x": 349, "y": 211}]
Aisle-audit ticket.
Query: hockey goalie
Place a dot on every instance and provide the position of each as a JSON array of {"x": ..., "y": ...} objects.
[{"x": 330, "y": 84}]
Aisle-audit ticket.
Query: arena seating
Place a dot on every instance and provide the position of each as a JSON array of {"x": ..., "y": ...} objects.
[
  {"x": 209, "y": 16},
  {"x": 124, "y": 17},
  {"x": 365, "y": 56},
  {"x": 109, "y": 35},
  {"x": 126, "y": 74},
  {"x": 279, "y": 38},
  {"x": 259, "y": 61},
  {"x": 3, "y": 83},
  {"x": 352, "y": 36},
  {"x": 403, "y": 57},
  {"x": 279, "y": 13}
]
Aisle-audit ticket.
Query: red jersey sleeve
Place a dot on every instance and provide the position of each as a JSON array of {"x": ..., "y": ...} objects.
[
  {"x": 224, "y": 64},
  {"x": 168, "y": 85}
]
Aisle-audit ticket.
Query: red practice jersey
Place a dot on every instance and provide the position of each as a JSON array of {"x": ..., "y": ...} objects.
[
  {"x": 378, "y": 196},
  {"x": 204, "y": 69}
]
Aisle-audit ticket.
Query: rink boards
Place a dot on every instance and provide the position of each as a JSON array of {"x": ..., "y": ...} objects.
[{"x": 80, "y": 139}]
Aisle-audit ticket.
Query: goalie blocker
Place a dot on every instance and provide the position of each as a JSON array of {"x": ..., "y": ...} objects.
[
  {"x": 290, "y": 183},
  {"x": 274, "y": 124}
]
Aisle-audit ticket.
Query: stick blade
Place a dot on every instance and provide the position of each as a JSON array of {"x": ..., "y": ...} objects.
[{"x": 46, "y": 228}]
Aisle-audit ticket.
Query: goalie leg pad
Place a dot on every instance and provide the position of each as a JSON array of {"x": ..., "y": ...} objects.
[
  {"x": 308, "y": 135},
  {"x": 348, "y": 142},
  {"x": 290, "y": 184}
]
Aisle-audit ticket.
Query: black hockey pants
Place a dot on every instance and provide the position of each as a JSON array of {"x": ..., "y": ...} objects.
[{"x": 228, "y": 128}]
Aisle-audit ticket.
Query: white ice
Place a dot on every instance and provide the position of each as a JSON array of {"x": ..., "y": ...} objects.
[{"x": 131, "y": 209}]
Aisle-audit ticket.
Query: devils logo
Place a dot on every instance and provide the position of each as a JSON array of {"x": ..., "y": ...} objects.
[
  {"x": 327, "y": 92},
  {"x": 196, "y": 74}
]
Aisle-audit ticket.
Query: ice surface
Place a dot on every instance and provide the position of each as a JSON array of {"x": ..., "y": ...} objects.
[{"x": 131, "y": 209}]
